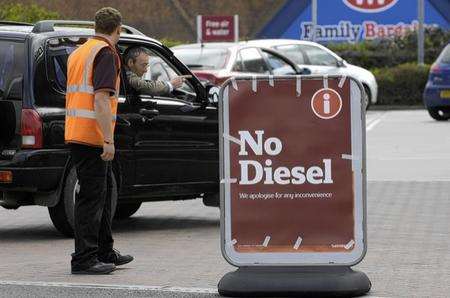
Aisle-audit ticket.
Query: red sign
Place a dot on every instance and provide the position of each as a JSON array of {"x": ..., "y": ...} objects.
[
  {"x": 292, "y": 171},
  {"x": 217, "y": 28},
  {"x": 370, "y": 6}
]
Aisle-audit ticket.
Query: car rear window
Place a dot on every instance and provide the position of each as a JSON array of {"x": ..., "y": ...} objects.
[
  {"x": 50, "y": 74},
  {"x": 201, "y": 58},
  {"x": 444, "y": 57},
  {"x": 12, "y": 64}
]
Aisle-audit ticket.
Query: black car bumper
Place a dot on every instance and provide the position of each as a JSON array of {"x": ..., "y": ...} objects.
[{"x": 34, "y": 170}]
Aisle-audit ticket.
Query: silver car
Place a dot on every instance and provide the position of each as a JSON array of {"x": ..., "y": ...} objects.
[{"x": 320, "y": 60}]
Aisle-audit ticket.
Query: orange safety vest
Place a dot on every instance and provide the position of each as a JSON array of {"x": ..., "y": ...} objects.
[{"x": 81, "y": 124}]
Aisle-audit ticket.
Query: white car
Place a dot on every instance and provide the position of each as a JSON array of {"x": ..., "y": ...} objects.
[{"x": 320, "y": 60}]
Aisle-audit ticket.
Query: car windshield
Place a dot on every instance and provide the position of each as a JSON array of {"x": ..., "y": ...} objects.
[
  {"x": 445, "y": 56},
  {"x": 202, "y": 58}
]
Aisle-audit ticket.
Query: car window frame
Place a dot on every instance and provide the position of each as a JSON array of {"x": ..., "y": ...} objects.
[
  {"x": 173, "y": 62},
  {"x": 281, "y": 57},
  {"x": 154, "y": 51}
]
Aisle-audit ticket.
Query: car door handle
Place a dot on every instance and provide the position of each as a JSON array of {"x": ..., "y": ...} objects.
[
  {"x": 122, "y": 121},
  {"x": 149, "y": 113}
]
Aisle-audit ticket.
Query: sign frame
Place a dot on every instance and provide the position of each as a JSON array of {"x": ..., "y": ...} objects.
[{"x": 358, "y": 165}]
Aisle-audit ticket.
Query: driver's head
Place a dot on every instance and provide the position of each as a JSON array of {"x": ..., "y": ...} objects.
[{"x": 136, "y": 59}]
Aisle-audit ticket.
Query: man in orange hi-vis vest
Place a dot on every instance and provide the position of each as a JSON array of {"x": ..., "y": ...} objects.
[{"x": 93, "y": 80}]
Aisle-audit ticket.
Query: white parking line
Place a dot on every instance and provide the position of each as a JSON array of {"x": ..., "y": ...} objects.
[
  {"x": 371, "y": 124},
  {"x": 111, "y": 287}
]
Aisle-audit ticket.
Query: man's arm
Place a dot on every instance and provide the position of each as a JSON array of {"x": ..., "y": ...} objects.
[
  {"x": 147, "y": 87},
  {"x": 103, "y": 114}
]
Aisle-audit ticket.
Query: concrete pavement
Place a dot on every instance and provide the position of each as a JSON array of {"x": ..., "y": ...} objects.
[{"x": 176, "y": 244}]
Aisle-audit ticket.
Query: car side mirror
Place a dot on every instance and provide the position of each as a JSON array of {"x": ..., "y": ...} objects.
[
  {"x": 213, "y": 93},
  {"x": 305, "y": 71},
  {"x": 340, "y": 63}
]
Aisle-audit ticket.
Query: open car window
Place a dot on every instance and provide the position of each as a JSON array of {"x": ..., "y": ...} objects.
[{"x": 160, "y": 70}]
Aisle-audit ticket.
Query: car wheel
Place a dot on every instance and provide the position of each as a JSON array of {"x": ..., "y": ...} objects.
[
  {"x": 62, "y": 215},
  {"x": 211, "y": 200},
  {"x": 126, "y": 210},
  {"x": 438, "y": 114},
  {"x": 367, "y": 96}
]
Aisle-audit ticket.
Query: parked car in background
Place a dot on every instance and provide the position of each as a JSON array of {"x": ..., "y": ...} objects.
[
  {"x": 166, "y": 146},
  {"x": 214, "y": 63},
  {"x": 321, "y": 60},
  {"x": 436, "y": 96}
]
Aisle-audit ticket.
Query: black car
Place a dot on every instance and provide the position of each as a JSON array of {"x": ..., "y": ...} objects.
[{"x": 166, "y": 147}]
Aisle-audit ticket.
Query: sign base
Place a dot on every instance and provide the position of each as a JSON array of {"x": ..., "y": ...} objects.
[{"x": 294, "y": 282}]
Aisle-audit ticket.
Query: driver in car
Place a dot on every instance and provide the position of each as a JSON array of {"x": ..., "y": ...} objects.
[{"x": 136, "y": 60}]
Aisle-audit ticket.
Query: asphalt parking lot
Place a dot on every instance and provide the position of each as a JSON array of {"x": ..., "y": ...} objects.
[{"x": 176, "y": 244}]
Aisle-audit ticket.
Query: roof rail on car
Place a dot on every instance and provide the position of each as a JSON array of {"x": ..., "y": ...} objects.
[
  {"x": 14, "y": 23},
  {"x": 49, "y": 26}
]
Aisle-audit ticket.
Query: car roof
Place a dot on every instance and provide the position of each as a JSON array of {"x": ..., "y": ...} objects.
[
  {"x": 24, "y": 30},
  {"x": 274, "y": 42},
  {"x": 207, "y": 45}
]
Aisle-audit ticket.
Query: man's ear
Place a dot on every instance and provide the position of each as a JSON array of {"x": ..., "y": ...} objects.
[{"x": 130, "y": 63}]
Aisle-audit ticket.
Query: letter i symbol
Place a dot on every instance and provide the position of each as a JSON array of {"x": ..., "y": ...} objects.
[{"x": 326, "y": 103}]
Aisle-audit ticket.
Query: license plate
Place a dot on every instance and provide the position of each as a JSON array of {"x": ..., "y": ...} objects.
[{"x": 445, "y": 94}]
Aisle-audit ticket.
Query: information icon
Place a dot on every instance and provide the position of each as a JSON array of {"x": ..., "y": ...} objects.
[{"x": 326, "y": 103}]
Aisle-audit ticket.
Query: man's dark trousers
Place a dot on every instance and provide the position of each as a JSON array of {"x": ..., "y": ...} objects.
[{"x": 93, "y": 236}]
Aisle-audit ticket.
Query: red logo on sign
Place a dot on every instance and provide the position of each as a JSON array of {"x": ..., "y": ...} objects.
[
  {"x": 326, "y": 103},
  {"x": 370, "y": 5}
]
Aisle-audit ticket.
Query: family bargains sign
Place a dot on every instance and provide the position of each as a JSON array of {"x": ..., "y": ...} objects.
[{"x": 355, "y": 20}]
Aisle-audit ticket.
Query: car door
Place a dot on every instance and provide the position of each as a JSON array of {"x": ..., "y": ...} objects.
[
  {"x": 49, "y": 93},
  {"x": 176, "y": 140}
]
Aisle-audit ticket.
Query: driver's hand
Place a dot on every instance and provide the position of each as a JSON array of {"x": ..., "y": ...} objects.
[{"x": 177, "y": 82}]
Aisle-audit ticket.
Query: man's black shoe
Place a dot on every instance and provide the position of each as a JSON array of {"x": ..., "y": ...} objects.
[
  {"x": 96, "y": 268},
  {"x": 116, "y": 258}
]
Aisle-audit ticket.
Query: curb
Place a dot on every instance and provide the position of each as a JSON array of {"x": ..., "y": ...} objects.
[{"x": 395, "y": 107}]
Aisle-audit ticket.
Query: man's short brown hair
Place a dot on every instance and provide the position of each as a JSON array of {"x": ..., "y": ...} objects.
[{"x": 107, "y": 19}]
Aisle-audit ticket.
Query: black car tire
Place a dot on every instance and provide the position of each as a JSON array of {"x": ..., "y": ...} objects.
[
  {"x": 62, "y": 215},
  {"x": 367, "y": 97},
  {"x": 211, "y": 200},
  {"x": 126, "y": 210},
  {"x": 434, "y": 113}
]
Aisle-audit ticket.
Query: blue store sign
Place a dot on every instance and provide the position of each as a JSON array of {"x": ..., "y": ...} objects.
[{"x": 354, "y": 20}]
